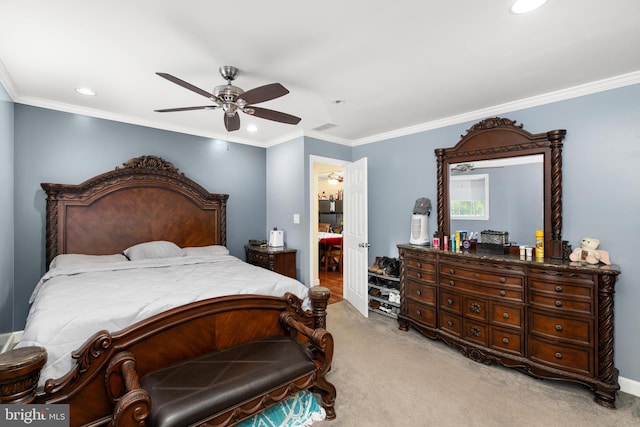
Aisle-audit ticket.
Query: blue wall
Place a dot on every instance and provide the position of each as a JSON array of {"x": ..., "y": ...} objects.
[
  {"x": 601, "y": 184},
  {"x": 601, "y": 189},
  {"x": 6, "y": 213},
  {"x": 52, "y": 146}
]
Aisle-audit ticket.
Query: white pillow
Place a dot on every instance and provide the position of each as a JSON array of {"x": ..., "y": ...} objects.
[
  {"x": 73, "y": 260},
  {"x": 156, "y": 249},
  {"x": 206, "y": 250}
]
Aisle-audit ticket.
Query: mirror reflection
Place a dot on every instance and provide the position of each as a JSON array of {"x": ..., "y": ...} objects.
[{"x": 501, "y": 195}]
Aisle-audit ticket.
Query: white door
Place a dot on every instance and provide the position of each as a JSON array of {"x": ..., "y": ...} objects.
[{"x": 355, "y": 235}]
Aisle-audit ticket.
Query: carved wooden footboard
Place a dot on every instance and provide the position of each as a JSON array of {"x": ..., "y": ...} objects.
[{"x": 91, "y": 389}]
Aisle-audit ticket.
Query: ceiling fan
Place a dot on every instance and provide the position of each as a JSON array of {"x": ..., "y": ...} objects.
[
  {"x": 334, "y": 178},
  {"x": 232, "y": 99}
]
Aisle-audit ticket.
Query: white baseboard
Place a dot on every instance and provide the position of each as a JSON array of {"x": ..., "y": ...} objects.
[
  {"x": 316, "y": 282},
  {"x": 9, "y": 340},
  {"x": 629, "y": 386}
]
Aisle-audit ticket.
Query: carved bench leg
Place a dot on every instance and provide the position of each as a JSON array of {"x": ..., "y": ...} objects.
[{"x": 132, "y": 404}]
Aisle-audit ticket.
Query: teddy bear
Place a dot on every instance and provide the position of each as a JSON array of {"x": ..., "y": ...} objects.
[{"x": 588, "y": 252}]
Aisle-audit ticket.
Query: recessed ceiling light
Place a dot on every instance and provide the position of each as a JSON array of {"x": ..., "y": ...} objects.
[
  {"x": 524, "y": 6},
  {"x": 85, "y": 91},
  {"x": 252, "y": 128}
]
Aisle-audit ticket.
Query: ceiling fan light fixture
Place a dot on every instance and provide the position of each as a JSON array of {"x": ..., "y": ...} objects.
[{"x": 524, "y": 6}]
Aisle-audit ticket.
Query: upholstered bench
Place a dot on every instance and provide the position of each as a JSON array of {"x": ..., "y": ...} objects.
[{"x": 224, "y": 387}]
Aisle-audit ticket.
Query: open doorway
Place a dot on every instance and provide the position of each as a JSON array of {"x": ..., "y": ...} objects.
[{"x": 327, "y": 221}]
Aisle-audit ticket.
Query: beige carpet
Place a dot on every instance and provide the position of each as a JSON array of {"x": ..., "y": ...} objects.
[{"x": 386, "y": 377}]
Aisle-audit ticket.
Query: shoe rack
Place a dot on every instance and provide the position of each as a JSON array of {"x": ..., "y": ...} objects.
[{"x": 384, "y": 294}]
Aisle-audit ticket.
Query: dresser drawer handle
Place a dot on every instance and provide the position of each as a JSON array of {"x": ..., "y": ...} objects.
[
  {"x": 451, "y": 271},
  {"x": 558, "y": 303},
  {"x": 503, "y": 280},
  {"x": 419, "y": 276},
  {"x": 505, "y": 315},
  {"x": 475, "y": 307},
  {"x": 558, "y": 355},
  {"x": 505, "y": 340},
  {"x": 503, "y": 292},
  {"x": 449, "y": 301},
  {"x": 418, "y": 313},
  {"x": 450, "y": 323},
  {"x": 418, "y": 265},
  {"x": 452, "y": 282},
  {"x": 418, "y": 292},
  {"x": 474, "y": 331},
  {"x": 559, "y": 328},
  {"x": 558, "y": 289}
]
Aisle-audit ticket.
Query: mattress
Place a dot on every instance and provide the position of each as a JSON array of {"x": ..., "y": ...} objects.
[{"x": 72, "y": 302}]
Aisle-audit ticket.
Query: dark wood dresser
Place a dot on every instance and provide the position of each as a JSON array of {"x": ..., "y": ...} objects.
[
  {"x": 281, "y": 260},
  {"x": 552, "y": 318}
]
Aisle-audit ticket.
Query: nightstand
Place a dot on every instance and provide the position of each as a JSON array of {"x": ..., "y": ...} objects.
[{"x": 281, "y": 260}]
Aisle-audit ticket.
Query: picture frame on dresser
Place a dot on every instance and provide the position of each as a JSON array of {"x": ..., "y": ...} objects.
[{"x": 547, "y": 316}]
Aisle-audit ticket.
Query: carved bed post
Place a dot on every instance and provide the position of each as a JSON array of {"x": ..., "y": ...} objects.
[
  {"x": 319, "y": 299},
  {"x": 19, "y": 374}
]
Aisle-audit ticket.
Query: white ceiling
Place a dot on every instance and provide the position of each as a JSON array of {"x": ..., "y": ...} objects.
[{"x": 400, "y": 66}]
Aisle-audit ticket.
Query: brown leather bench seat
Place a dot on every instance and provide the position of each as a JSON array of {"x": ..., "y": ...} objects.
[{"x": 197, "y": 389}]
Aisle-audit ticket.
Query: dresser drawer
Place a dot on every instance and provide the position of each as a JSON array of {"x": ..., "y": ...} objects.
[
  {"x": 417, "y": 270},
  {"x": 450, "y": 323},
  {"x": 507, "y": 315},
  {"x": 423, "y": 293},
  {"x": 422, "y": 314},
  {"x": 475, "y": 332},
  {"x": 562, "y": 288},
  {"x": 494, "y": 278},
  {"x": 506, "y": 340},
  {"x": 420, "y": 264},
  {"x": 576, "y": 330},
  {"x": 474, "y": 308},
  {"x": 512, "y": 293},
  {"x": 553, "y": 275},
  {"x": 451, "y": 301},
  {"x": 576, "y": 359},
  {"x": 560, "y": 303}
]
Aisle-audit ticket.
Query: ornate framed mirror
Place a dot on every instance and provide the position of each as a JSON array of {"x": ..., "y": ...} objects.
[{"x": 501, "y": 140}]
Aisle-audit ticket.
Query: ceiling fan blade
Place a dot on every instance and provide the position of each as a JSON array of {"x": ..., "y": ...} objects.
[
  {"x": 169, "y": 110},
  {"x": 264, "y": 93},
  {"x": 186, "y": 85},
  {"x": 232, "y": 123},
  {"x": 276, "y": 116}
]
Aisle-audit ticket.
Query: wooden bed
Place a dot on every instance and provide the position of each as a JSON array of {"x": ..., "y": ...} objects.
[{"x": 147, "y": 199}]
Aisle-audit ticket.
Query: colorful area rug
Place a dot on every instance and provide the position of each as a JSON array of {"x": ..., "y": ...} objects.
[{"x": 299, "y": 410}]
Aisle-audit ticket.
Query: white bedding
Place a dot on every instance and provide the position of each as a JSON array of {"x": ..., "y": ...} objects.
[{"x": 69, "y": 305}]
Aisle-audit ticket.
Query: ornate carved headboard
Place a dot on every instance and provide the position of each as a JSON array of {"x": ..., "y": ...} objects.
[{"x": 144, "y": 200}]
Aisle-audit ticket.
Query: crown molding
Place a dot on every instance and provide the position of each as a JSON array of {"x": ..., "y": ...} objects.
[{"x": 534, "y": 101}]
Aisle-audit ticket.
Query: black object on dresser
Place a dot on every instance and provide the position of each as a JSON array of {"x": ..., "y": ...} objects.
[
  {"x": 552, "y": 318},
  {"x": 279, "y": 259}
]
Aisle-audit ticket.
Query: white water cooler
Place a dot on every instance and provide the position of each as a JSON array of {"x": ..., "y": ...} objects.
[{"x": 420, "y": 223}]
